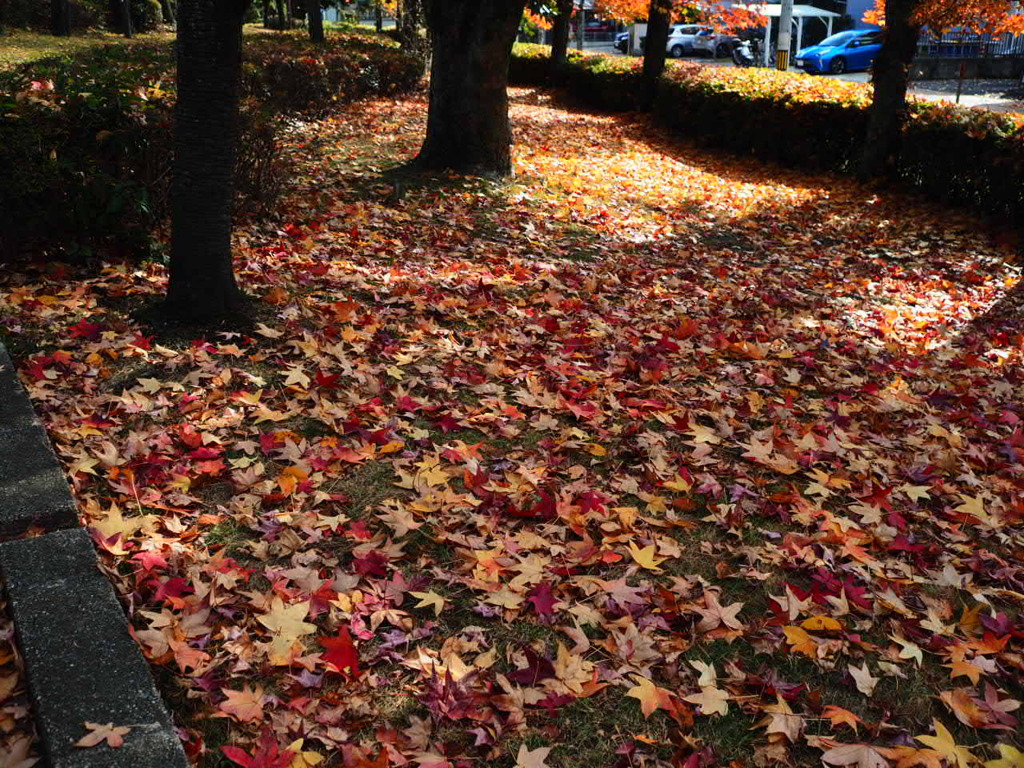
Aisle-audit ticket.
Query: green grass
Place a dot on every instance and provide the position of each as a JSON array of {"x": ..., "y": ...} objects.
[{"x": 22, "y": 46}]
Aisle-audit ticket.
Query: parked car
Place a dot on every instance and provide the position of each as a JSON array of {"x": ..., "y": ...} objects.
[
  {"x": 714, "y": 44},
  {"x": 843, "y": 52},
  {"x": 681, "y": 38},
  {"x": 622, "y": 42}
]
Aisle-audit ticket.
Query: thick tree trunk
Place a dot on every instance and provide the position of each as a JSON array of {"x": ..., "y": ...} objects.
[
  {"x": 206, "y": 126},
  {"x": 560, "y": 34},
  {"x": 467, "y": 124},
  {"x": 658, "y": 23},
  {"x": 60, "y": 18},
  {"x": 891, "y": 75},
  {"x": 315, "y": 20}
]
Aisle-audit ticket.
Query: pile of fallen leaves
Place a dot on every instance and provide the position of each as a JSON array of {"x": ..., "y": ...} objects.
[{"x": 645, "y": 457}]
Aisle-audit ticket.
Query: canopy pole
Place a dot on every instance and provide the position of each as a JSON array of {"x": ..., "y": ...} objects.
[
  {"x": 799, "y": 34},
  {"x": 767, "y": 43}
]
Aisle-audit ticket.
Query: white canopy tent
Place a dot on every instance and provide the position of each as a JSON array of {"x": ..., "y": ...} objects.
[{"x": 800, "y": 14}]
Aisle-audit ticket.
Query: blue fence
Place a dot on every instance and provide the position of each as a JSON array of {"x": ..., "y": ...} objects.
[{"x": 969, "y": 45}]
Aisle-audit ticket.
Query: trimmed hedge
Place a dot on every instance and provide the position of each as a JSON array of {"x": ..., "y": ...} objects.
[
  {"x": 86, "y": 142},
  {"x": 958, "y": 155}
]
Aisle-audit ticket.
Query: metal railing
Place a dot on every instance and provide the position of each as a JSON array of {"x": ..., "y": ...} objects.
[{"x": 969, "y": 45}]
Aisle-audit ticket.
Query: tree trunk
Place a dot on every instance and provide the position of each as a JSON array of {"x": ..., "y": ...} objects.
[
  {"x": 206, "y": 126},
  {"x": 378, "y": 19},
  {"x": 282, "y": 22},
  {"x": 560, "y": 34},
  {"x": 467, "y": 123},
  {"x": 658, "y": 23},
  {"x": 265, "y": 11},
  {"x": 891, "y": 76},
  {"x": 167, "y": 11},
  {"x": 127, "y": 28},
  {"x": 411, "y": 33},
  {"x": 315, "y": 20},
  {"x": 60, "y": 18}
]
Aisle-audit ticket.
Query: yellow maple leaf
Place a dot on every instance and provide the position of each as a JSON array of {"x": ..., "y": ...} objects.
[
  {"x": 429, "y": 600},
  {"x": 1009, "y": 757},
  {"x": 645, "y": 557},
  {"x": 944, "y": 743},
  {"x": 650, "y": 696}
]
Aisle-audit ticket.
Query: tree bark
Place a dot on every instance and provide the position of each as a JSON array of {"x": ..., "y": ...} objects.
[
  {"x": 315, "y": 20},
  {"x": 265, "y": 12},
  {"x": 468, "y": 129},
  {"x": 891, "y": 76},
  {"x": 167, "y": 11},
  {"x": 658, "y": 23},
  {"x": 560, "y": 34},
  {"x": 410, "y": 35},
  {"x": 378, "y": 18},
  {"x": 60, "y": 18},
  {"x": 282, "y": 22},
  {"x": 127, "y": 28},
  {"x": 206, "y": 125}
]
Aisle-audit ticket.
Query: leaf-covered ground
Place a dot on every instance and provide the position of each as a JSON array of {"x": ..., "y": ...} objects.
[{"x": 646, "y": 457}]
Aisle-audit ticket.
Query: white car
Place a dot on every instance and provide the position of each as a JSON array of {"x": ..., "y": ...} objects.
[
  {"x": 682, "y": 39},
  {"x": 713, "y": 44}
]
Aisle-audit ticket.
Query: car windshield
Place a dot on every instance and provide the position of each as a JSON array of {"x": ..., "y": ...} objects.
[{"x": 836, "y": 40}]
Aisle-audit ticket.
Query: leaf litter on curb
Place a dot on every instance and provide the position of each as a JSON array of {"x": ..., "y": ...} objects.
[{"x": 643, "y": 457}]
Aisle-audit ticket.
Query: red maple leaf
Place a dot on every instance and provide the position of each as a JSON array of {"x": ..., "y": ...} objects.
[
  {"x": 340, "y": 653},
  {"x": 266, "y": 755}
]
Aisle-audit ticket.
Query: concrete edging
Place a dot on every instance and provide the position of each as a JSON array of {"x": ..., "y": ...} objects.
[{"x": 81, "y": 662}]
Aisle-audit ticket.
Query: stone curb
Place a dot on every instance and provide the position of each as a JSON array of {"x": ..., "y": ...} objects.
[{"x": 81, "y": 662}]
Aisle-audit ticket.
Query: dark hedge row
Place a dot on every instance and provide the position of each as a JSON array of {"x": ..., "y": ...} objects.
[
  {"x": 86, "y": 142},
  {"x": 957, "y": 155}
]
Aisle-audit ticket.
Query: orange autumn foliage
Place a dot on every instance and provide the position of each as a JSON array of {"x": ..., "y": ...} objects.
[
  {"x": 720, "y": 15},
  {"x": 975, "y": 15}
]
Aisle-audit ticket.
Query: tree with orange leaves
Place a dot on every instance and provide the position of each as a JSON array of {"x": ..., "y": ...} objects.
[{"x": 903, "y": 21}]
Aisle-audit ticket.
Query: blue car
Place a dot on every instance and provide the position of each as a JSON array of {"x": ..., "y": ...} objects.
[{"x": 844, "y": 52}]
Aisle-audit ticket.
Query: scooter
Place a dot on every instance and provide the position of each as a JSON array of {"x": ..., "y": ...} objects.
[{"x": 744, "y": 54}]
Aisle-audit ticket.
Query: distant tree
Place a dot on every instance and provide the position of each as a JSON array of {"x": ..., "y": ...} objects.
[
  {"x": 659, "y": 20},
  {"x": 560, "y": 28},
  {"x": 411, "y": 32},
  {"x": 167, "y": 11},
  {"x": 124, "y": 18},
  {"x": 315, "y": 20},
  {"x": 468, "y": 128},
  {"x": 903, "y": 21},
  {"x": 60, "y": 17},
  {"x": 202, "y": 284}
]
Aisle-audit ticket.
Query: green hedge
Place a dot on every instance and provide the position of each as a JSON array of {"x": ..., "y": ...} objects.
[
  {"x": 86, "y": 142},
  {"x": 957, "y": 155}
]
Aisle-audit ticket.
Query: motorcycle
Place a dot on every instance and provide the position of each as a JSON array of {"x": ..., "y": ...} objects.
[
  {"x": 744, "y": 53},
  {"x": 749, "y": 53}
]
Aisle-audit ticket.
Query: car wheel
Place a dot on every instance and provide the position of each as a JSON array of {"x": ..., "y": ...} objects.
[
  {"x": 677, "y": 51},
  {"x": 838, "y": 65},
  {"x": 722, "y": 51}
]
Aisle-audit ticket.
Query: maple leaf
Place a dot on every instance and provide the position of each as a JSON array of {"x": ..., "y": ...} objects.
[
  {"x": 840, "y": 716},
  {"x": 98, "y": 734},
  {"x": 645, "y": 557},
  {"x": 287, "y": 624},
  {"x": 267, "y": 754},
  {"x": 801, "y": 642},
  {"x": 430, "y": 600},
  {"x": 1009, "y": 757},
  {"x": 944, "y": 743},
  {"x": 245, "y": 705},
  {"x": 535, "y": 758},
  {"x": 862, "y": 678},
  {"x": 859, "y": 755},
  {"x": 651, "y": 697},
  {"x": 341, "y": 653},
  {"x": 712, "y": 701},
  {"x": 716, "y": 615}
]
